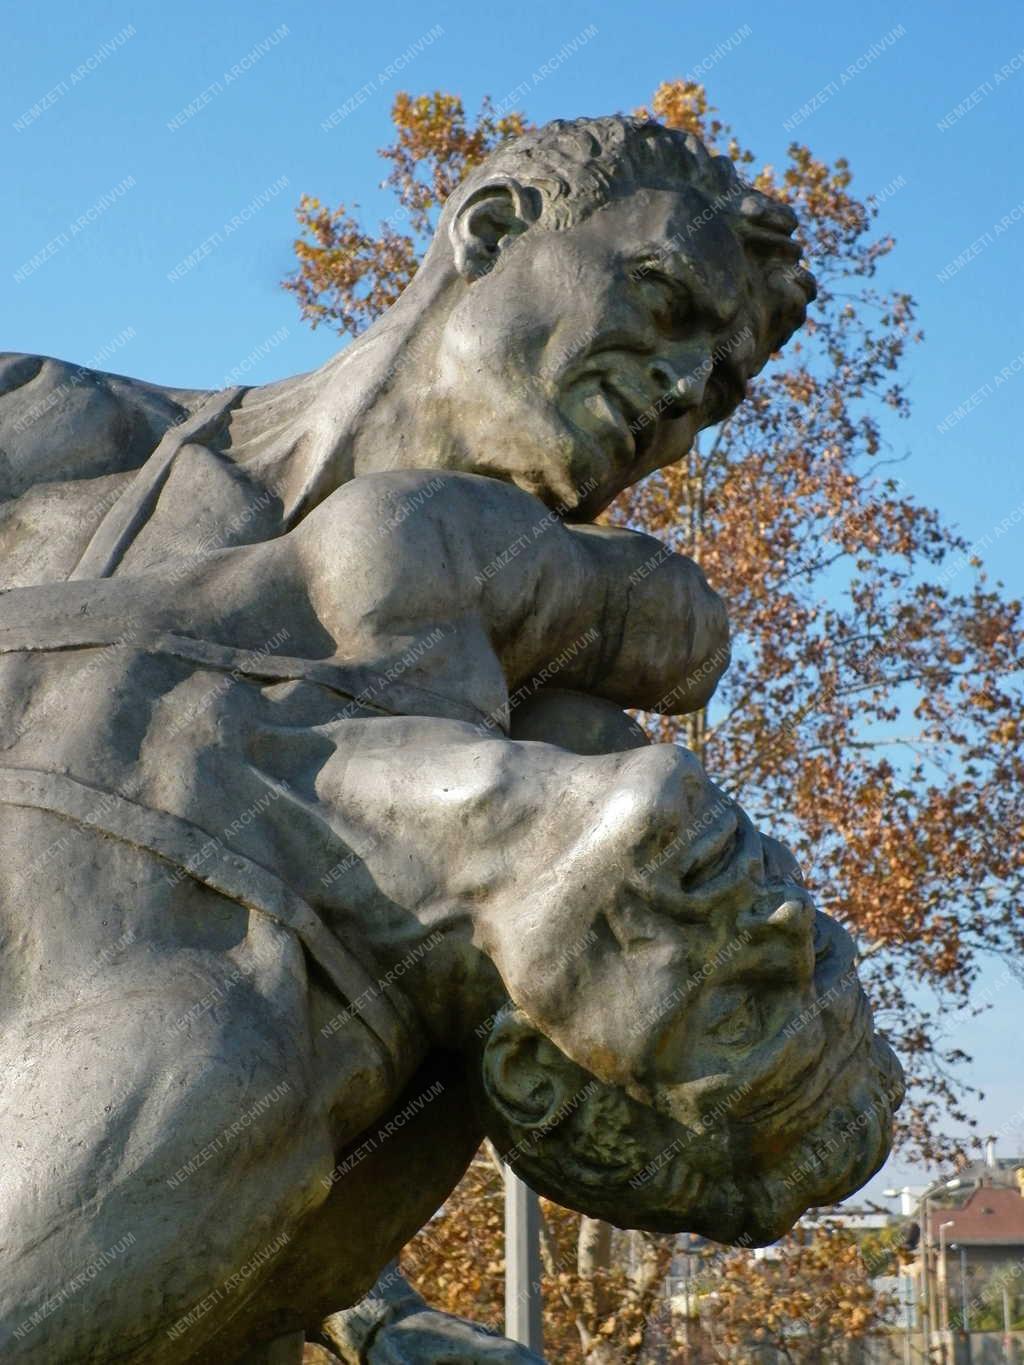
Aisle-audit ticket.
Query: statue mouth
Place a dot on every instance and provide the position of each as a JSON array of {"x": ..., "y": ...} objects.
[{"x": 626, "y": 406}]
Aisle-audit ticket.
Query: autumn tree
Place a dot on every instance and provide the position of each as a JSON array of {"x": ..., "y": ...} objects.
[
  {"x": 808, "y": 1299},
  {"x": 347, "y": 277},
  {"x": 872, "y": 712},
  {"x": 603, "y": 1303}
]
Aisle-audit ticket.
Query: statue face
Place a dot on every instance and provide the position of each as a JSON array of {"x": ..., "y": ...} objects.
[
  {"x": 587, "y": 357},
  {"x": 736, "y": 1175},
  {"x": 710, "y": 1064}
]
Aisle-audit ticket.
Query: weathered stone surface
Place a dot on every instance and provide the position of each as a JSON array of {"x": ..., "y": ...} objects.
[
  {"x": 318, "y": 1355},
  {"x": 325, "y": 845},
  {"x": 394, "y": 1326}
]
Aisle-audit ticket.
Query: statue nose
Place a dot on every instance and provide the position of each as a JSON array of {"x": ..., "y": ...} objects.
[{"x": 680, "y": 387}]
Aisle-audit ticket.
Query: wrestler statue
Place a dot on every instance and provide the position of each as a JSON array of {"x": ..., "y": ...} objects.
[{"x": 326, "y": 845}]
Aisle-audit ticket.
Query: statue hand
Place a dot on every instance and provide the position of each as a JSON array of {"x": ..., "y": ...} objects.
[{"x": 432, "y": 1338}]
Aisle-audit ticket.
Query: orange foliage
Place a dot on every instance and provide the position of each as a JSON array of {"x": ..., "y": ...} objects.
[
  {"x": 807, "y": 1300},
  {"x": 346, "y": 277}
]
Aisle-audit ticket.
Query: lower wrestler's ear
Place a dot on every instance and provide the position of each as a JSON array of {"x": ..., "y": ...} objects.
[
  {"x": 527, "y": 1079},
  {"x": 536, "y": 1090}
]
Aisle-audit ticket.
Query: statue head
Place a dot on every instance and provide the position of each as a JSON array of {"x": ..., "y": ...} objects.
[
  {"x": 696, "y": 1054},
  {"x": 597, "y": 292}
]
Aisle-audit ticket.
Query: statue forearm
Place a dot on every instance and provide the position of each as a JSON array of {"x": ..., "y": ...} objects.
[
  {"x": 605, "y": 610},
  {"x": 671, "y": 628},
  {"x": 533, "y": 850},
  {"x": 393, "y": 1325}
]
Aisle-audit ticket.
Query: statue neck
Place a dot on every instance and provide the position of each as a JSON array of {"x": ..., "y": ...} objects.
[
  {"x": 363, "y": 411},
  {"x": 430, "y": 965}
]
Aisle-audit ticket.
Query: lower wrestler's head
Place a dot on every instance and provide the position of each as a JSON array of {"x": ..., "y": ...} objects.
[{"x": 728, "y": 1104}]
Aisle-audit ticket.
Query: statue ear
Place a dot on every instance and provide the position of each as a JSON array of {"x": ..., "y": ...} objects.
[
  {"x": 486, "y": 220},
  {"x": 536, "y": 1091},
  {"x": 528, "y": 1080}
]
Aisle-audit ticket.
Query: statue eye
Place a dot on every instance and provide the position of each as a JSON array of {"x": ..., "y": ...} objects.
[{"x": 667, "y": 298}]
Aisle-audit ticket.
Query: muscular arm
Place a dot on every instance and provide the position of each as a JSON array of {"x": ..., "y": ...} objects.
[
  {"x": 440, "y": 594},
  {"x": 606, "y": 611}
]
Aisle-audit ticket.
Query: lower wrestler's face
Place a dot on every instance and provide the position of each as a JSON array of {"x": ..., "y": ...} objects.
[
  {"x": 736, "y": 1174},
  {"x": 766, "y": 1096},
  {"x": 721, "y": 1018},
  {"x": 592, "y": 355},
  {"x": 674, "y": 946}
]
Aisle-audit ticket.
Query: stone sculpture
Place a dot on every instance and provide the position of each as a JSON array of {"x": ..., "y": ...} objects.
[{"x": 327, "y": 846}]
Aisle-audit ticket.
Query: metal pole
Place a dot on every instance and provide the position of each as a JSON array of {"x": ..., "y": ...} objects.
[
  {"x": 523, "y": 1305},
  {"x": 926, "y": 1298},
  {"x": 686, "y": 1298},
  {"x": 965, "y": 1312},
  {"x": 948, "y": 1352},
  {"x": 1007, "y": 1344},
  {"x": 944, "y": 1313}
]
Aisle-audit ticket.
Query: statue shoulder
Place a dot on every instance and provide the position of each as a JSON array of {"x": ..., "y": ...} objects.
[{"x": 61, "y": 422}]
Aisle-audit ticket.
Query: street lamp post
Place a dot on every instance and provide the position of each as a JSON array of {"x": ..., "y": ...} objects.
[
  {"x": 945, "y": 1278},
  {"x": 926, "y": 1298},
  {"x": 965, "y": 1308},
  {"x": 948, "y": 1353}
]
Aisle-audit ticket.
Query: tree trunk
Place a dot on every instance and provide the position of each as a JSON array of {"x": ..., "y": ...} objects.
[{"x": 594, "y": 1256}]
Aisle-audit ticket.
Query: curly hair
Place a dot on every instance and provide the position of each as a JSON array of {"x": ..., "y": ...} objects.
[{"x": 575, "y": 166}]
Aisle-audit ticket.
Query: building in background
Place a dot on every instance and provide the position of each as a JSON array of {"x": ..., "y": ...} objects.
[
  {"x": 980, "y": 1270},
  {"x": 972, "y": 1258}
]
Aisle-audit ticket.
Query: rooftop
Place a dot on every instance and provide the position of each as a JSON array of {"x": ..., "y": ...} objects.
[{"x": 992, "y": 1215}]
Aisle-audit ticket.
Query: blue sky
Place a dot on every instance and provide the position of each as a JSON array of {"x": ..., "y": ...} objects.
[{"x": 113, "y": 183}]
